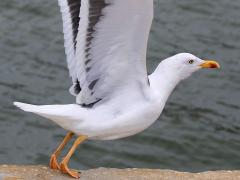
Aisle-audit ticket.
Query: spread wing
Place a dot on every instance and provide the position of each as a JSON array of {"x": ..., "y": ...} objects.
[
  {"x": 110, "y": 53},
  {"x": 70, "y": 10}
]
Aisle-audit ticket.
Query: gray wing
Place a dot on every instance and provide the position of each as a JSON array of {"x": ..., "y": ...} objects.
[
  {"x": 111, "y": 47},
  {"x": 70, "y": 10}
]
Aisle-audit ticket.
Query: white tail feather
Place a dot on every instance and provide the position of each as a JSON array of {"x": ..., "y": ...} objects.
[
  {"x": 63, "y": 115},
  {"x": 26, "y": 107}
]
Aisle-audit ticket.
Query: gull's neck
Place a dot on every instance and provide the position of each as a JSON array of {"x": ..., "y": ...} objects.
[{"x": 163, "y": 81}]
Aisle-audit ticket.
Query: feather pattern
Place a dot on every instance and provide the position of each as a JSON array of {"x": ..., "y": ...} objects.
[
  {"x": 107, "y": 52},
  {"x": 111, "y": 47},
  {"x": 70, "y": 10}
]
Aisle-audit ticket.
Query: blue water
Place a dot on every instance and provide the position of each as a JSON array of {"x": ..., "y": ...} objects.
[{"x": 200, "y": 126}]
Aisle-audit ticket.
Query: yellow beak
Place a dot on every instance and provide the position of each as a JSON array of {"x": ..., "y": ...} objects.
[{"x": 210, "y": 64}]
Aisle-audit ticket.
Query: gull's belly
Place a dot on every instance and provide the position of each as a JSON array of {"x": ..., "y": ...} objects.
[{"x": 120, "y": 125}]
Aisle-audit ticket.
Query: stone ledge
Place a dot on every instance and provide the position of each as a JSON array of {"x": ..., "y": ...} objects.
[{"x": 12, "y": 172}]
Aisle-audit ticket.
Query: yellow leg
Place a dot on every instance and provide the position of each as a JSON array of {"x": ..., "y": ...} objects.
[
  {"x": 64, "y": 164},
  {"x": 53, "y": 161}
]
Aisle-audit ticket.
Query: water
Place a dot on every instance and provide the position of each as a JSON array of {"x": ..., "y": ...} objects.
[{"x": 200, "y": 126}]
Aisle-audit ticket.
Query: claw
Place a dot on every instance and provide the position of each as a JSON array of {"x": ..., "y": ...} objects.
[{"x": 64, "y": 168}]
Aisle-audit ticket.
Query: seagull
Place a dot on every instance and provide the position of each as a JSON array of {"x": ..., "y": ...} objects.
[{"x": 106, "y": 45}]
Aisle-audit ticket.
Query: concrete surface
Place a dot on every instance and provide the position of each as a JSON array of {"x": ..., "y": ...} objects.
[{"x": 12, "y": 172}]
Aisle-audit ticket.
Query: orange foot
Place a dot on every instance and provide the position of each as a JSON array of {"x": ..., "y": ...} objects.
[
  {"x": 53, "y": 162},
  {"x": 64, "y": 168}
]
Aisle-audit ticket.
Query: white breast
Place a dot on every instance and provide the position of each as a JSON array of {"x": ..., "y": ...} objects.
[{"x": 136, "y": 115}]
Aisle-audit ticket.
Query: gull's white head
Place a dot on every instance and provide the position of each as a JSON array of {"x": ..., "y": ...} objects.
[{"x": 184, "y": 64}]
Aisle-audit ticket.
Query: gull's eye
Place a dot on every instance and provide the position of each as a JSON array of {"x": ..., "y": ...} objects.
[{"x": 191, "y": 61}]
